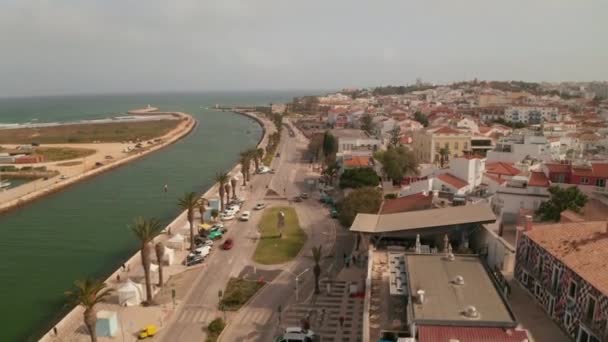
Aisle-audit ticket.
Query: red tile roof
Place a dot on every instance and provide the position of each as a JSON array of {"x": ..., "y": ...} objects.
[
  {"x": 558, "y": 168},
  {"x": 446, "y": 130},
  {"x": 582, "y": 171},
  {"x": 453, "y": 180},
  {"x": 502, "y": 168},
  {"x": 407, "y": 203},
  {"x": 600, "y": 169},
  {"x": 495, "y": 178},
  {"x": 435, "y": 333},
  {"x": 538, "y": 178},
  {"x": 582, "y": 246},
  {"x": 358, "y": 161}
]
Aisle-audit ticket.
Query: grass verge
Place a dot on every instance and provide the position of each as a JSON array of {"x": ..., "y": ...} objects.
[
  {"x": 238, "y": 292},
  {"x": 88, "y": 133},
  {"x": 276, "y": 249},
  {"x": 63, "y": 153}
]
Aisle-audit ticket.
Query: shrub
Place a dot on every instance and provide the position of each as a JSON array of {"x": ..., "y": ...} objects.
[
  {"x": 216, "y": 326},
  {"x": 358, "y": 178}
]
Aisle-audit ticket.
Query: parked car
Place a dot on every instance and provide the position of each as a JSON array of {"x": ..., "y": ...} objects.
[
  {"x": 260, "y": 206},
  {"x": 334, "y": 213},
  {"x": 202, "y": 251},
  {"x": 193, "y": 260},
  {"x": 304, "y": 195},
  {"x": 215, "y": 234},
  {"x": 227, "y": 244},
  {"x": 227, "y": 216},
  {"x": 296, "y": 334},
  {"x": 297, "y": 199},
  {"x": 148, "y": 331},
  {"x": 245, "y": 216},
  {"x": 236, "y": 201}
]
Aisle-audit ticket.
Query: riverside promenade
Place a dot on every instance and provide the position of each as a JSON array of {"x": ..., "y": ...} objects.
[
  {"x": 19, "y": 196},
  {"x": 71, "y": 327}
]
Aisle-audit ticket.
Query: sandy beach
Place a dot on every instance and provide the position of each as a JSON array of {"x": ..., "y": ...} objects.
[{"x": 106, "y": 157}]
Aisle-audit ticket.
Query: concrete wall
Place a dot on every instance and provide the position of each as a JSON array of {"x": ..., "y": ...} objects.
[{"x": 500, "y": 252}]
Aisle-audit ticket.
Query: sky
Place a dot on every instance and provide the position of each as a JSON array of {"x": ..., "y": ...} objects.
[{"x": 114, "y": 46}]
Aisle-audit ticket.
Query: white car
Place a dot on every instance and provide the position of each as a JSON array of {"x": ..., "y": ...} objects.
[
  {"x": 202, "y": 251},
  {"x": 260, "y": 206},
  {"x": 245, "y": 216},
  {"x": 227, "y": 216},
  {"x": 235, "y": 207},
  {"x": 297, "y": 334},
  {"x": 263, "y": 169}
]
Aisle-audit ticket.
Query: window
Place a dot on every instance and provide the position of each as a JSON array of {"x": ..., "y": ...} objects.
[
  {"x": 537, "y": 290},
  {"x": 555, "y": 278},
  {"x": 572, "y": 289},
  {"x": 456, "y": 146},
  {"x": 584, "y": 180},
  {"x": 466, "y": 145},
  {"x": 600, "y": 182},
  {"x": 446, "y": 145},
  {"x": 540, "y": 266},
  {"x": 567, "y": 319},
  {"x": 585, "y": 336},
  {"x": 524, "y": 278},
  {"x": 589, "y": 309},
  {"x": 560, "y": 178}
]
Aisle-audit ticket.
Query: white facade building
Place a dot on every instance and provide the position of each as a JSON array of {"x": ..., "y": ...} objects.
[
  {"x": 516, "y": 148},
  {"x": 532, "y": 114}
]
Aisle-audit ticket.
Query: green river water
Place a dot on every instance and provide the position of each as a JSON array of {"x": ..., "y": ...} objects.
[{"x": 82, "y": 230}]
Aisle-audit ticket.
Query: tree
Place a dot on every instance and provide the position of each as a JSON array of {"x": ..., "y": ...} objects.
[
  {"x": 363, "y": 200},
  {"x": 190, "y": 202},
  {"x": 367, "y": 124},
  {"x": 444, "y": 155},
  {"x": 215, "y": 213},
  {"x": 331, "y": 171},
  {"x": 395, "y": 138},
  {"x": 259, "y": 153},
  {"x": 315, "y": 145},
  {"x": 227, "y": 190},
  {"x": 561, "y": 199},
  {"x": 88, "y": 293},
  {"x": 330, "y": 146},
  {"x": 221, "y": 178},
  {"x": 397, "y": 162},
  {"x": 358, "y": 178},
  {"x": 245, "y": 161},
  {"x": 316, "y": 270},
  {"x": 253, "y": 155},
  {"x": 145, "y": 230},
  {"x": 420, "y": 117},
  {"x": 233, "y": 183},
  {"x": 159, "y": 248}
]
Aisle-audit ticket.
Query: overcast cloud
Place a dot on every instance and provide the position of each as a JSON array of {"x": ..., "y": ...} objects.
[{"x": 80, "y": 46}]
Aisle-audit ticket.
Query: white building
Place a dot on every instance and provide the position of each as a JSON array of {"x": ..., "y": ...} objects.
[
  {"x": 519, "y": 194},
  {"x": 355, "y": 140},
  {"x": 515, "y": 148},
  {"x": 532, "y": 114}
]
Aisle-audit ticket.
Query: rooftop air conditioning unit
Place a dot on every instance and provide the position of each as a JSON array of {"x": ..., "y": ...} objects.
[
  {"x": 459, "y": 280},
  {"x": 471, "y": 312}
]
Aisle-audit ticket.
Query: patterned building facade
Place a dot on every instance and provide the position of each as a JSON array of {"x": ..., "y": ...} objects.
[{"x": 578, "y": 307}]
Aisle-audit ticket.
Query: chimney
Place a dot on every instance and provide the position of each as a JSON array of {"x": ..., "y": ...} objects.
[{"x": 528, "y": 222}]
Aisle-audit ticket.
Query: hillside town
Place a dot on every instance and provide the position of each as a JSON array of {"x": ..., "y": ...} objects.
[{"x": 482, "y": 206}]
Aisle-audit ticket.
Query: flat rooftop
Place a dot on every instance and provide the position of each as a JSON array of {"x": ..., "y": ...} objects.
[
  {"x": 474, "y": 213},
  {"x": 445, "y": 301},
  {"x": 349, "y": 133}
]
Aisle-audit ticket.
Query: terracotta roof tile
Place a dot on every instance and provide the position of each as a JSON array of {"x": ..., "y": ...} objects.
[
  {"x": 538, "y": 179},
  {"x": 446, "y": 130},
  {"x": 452, "y": 180},
  {"x": 495, "y": 178},
  {"x": 502, "y": 168},
  {"x": 581, "y": 246},
  {"x": 407, "y": 203},
  {"x": 435, "y": 333},
  {"x": 600, "y": 169},
  {"x": 358, "y": 161},
  {"x": 558, "y": 168}
]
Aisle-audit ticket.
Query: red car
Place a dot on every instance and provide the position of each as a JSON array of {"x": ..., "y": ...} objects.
[{"x": 227, "y": 244}]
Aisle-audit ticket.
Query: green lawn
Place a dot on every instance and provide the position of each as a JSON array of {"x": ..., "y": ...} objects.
[
  {"x": 273, "y": 249},
  {"x": 238, "y": 291},
  {"x": 63, "y": 153}
]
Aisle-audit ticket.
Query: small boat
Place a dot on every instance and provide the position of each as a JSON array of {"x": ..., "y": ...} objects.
[{"x": 4, "y": 184}]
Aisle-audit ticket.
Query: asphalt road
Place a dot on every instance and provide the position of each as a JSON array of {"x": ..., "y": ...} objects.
[{"x": 199, "y": 306}]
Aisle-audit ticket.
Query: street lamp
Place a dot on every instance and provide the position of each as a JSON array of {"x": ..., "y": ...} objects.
[{"x": 297, "y": 276}]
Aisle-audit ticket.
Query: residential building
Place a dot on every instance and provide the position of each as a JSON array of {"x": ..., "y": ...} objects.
[
  {"x": 520, "y": 193},
  {"x": 489, "y": 114},
  {"x": 532, "y": 114},
  {"x": 419, "y": 201},
  {"x": 592, "y": 174},
  {"x": 480, "y": 145},
  {"x": 563, "y": 266},
  {"x": 517, "y": 147},
  {"x": 354, "y": 140},
  {"x": 427, "y": 143}
]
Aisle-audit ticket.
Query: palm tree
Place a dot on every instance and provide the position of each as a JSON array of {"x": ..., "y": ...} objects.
[
  {"x": 159, "y": 248},
  {"x": 189, "y": 202},
  {"x": 444, "y": 153},
  {"x": 253, "y": 155},
  {"x": 316, "y": 256},
  {"x": 221, "y": 178},
  {"x": 88, "y": 293},
  {"x": 259, "y": 153},
  {"x": 145, "y": 230},
  {"x": 227, "y": 190},
  {"x": 202, "y": 208},
  {"x": 233, "y": 183},
  {"x": 245, "y": 161}
]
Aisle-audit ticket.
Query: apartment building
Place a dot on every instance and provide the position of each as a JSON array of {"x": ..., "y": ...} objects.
[
  {"x": 427, "y": 143},
  {"x": 532, "y": 114}
]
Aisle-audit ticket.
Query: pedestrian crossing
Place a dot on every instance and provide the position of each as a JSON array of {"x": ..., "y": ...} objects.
[{"x": 325, "y": 312}]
